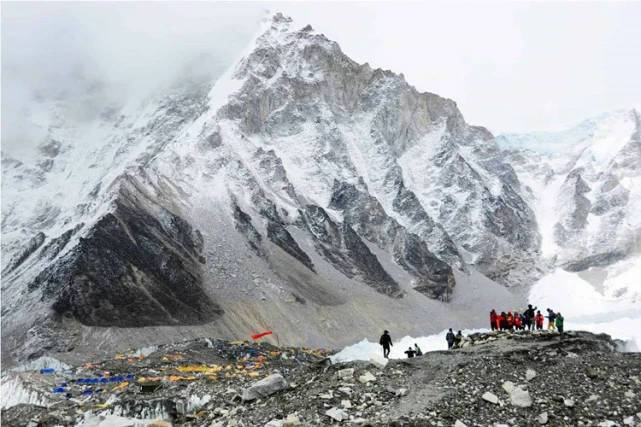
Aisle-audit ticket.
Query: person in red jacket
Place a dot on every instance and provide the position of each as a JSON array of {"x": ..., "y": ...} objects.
[
  {"x": 538, "y": 320},
  {"x": 510, "y": 320},
  {"x": 503, "y": 321},
  {"x": 493, "y": 323},
  {"x": 518, "y": 324}
]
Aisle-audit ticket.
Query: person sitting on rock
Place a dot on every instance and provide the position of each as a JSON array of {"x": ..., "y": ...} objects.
[
  {"x": 538, "y": 319},
  {"x": 551, "y": 319},
  {"x": 386, "y": 342},
  {"x": 410, "y": 353},
  {"x": 458, "y": 339},
  {"x": 450, "y": 338},
  {"x": 418, "y": 350},
  {"x": 493, "y": 323},
  {"x": 559, "y": 323}
]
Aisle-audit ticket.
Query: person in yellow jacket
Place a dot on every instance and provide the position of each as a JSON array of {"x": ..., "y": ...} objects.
[{"x": 551, "y": 319}]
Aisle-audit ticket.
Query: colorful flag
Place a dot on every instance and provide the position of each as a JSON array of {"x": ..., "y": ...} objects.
[{"x": 262, "y": 334}]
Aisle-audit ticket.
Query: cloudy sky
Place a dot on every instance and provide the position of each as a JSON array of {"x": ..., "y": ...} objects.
[{"x": 510, "y": 66}]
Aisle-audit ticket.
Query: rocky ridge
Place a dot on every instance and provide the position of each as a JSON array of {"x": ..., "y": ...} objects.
[{"x": 494, "y": 379}]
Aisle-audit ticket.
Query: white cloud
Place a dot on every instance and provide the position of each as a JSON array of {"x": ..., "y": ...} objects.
[{"x": 510, "y": 66}]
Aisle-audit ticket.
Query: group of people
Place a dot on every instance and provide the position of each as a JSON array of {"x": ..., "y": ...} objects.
[
  {"x": 386, "y": 342},
  {"x": 453, "y": 341},
  {"x": 530, "y": 319}
]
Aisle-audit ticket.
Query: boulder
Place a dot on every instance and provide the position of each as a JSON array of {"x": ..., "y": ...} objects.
[
  {"x": 542, "y": 418},
  {"x": 345, "y": 374},
  {"x": 337, "y": 414},
  {"x": 292, "y": 420},
  {"x": 519, "y": 396},
  {"x": 490, "y": 397},
  {"x": 508, "y": 386},
  {"x": 530, "y": 374},
  {"x": 265, "y": 387},
  {"x": 366, "y": 377},
  {"x": 629, "y": 421}
]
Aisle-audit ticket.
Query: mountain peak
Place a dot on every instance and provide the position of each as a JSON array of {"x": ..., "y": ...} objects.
[{"x": 280, "y": 18}]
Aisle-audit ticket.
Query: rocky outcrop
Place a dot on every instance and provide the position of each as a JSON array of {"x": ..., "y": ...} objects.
[
  {"x": 244, "y": 225},
  {"x": 278, "y": 234},
  {"x": 132, "y": 268},
  {"x": 32, "y": 245},
  {"x": 575, "y": 216},
  {"x": 340, "y": 245},
  {"x": 368, "y": 218}
]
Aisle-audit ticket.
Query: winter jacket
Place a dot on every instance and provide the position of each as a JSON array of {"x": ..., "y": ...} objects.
[
  {"x": 530, "y": 312},
  {"x": 517, "y": 321},
  {"x": 559, "y": 321},
  {"x": 385, "y": 340},
  {"x": 539, "y": 318},
  {"x": 450, "y": 337}
]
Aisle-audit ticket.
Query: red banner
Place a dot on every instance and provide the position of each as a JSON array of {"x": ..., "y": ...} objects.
[{"x": 262, "y": 334}]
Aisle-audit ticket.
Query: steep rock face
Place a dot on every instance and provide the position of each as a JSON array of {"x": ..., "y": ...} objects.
[
  {"x": 434, "y": 174},
  {"x": 366, "y": 215},
  {"x": 132, "y": 268},
  {"x": 32, "y": 245},
  {"x": 345, "y": 250},
  {"x": 574, "y": 218}
]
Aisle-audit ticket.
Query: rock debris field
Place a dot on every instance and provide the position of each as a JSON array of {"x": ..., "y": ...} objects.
[{"x": 495, "y": 379}]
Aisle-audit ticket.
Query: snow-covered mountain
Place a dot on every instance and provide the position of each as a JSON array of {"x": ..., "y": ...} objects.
[
  {"x": 300, "y": 192},
  {"x": 587, "y": 193},
  {"x": 584, "y": 185}
]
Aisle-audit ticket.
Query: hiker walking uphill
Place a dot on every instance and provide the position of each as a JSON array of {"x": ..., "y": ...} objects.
[
  {"x": 450, "y": 338},
  {"x": 386, "y": 342}
]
